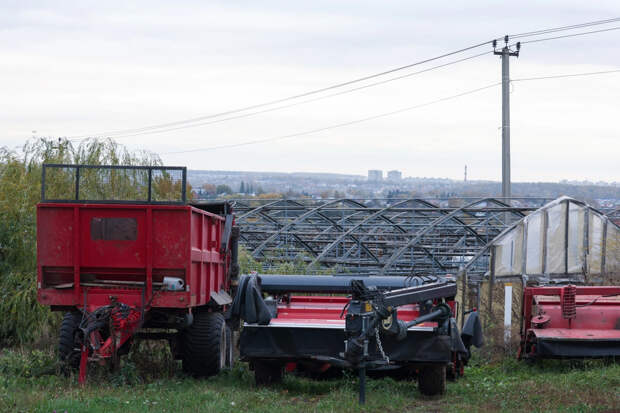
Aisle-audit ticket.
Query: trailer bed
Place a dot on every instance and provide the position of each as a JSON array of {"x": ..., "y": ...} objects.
[{"x": 101, "y": 250}]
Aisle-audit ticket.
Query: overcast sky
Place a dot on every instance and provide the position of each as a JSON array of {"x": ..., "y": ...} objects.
[{"x": 81, "y": 67}]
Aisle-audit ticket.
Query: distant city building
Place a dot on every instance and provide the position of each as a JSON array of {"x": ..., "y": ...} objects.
[
  {"x": 394, "y": 175},
  {"x": 375, "y": 175}
]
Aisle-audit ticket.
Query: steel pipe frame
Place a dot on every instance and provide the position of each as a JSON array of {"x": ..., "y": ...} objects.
[
  {"x": 380, "y": 213},
  {"x": 258, "y": 250},
  {"x": 340, "y": 231}
]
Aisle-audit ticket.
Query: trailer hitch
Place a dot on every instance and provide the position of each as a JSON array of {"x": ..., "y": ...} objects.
[{"x": 371, "y": 313}]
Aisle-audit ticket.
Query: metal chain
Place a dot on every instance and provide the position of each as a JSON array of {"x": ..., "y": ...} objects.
[{"x": 385, "y": 357}]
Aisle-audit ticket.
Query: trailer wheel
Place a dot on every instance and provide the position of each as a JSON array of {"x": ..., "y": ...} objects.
[
  {"x": 268, "y": 372},
  {"x": 68, "y": 342},
  {"x": 432, "y": 380},
  {"x": 203, "y": 345}
]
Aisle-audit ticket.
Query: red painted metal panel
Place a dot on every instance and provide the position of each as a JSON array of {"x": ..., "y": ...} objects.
[
  {"x": 76, "y": 255},
  {"x": 112, "y": 253},
  {"x": 327, "y": 310},
  {"x": 576, "y": 334},
  {"x": 596, "y": 315},
  {"x": 170, "y": 238},
  {"x": 537, "y": 299},
  {"x": 54, "y": 231},
  {"x": 162, "y": 240},
  {"x": 604, "y": 315},
  {"x": 149, "y": 252}
]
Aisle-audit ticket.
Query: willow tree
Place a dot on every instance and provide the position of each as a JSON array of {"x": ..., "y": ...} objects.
[{"x": 20, "y": 190}]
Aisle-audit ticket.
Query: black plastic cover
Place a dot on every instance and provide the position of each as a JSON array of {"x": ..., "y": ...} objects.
[
  {"x": 472, "y": 331},
  {"x": 248, "y": 303}
]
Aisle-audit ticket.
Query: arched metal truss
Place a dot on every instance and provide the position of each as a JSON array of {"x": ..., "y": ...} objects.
[{"x": 380, "y": 236}]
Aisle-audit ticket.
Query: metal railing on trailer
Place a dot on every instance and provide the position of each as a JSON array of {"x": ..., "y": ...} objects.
[{"x": 122, "y": 184}]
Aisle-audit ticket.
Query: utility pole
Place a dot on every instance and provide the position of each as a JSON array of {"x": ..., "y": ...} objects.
[{"x": 506, "y": 53}]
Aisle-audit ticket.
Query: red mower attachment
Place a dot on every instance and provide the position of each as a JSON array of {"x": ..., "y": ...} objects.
[
  {"x": 570, "y": 322},
  {"x": 122, "y": 253},
  {"x": 369, "y": 324}
]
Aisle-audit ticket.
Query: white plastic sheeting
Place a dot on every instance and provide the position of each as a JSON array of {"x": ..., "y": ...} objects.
[
  {"x": 595, "y": 235},
  {"x": 508, "y": 253},
  {"x": 576, "y": 238},
  {"x": 556, "y": 235},
  {"x": 612, "y": 249},
  {"x": 564, "y": 237},
  {"x": 534, "y": 243}
]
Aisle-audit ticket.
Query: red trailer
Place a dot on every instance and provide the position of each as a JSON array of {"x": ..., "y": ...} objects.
[
  {"x": 570, "y": 322},
  {"x": 121, "y": 267}
]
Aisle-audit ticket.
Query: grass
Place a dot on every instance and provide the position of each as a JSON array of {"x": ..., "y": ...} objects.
[{"x": 28, "y": 383}]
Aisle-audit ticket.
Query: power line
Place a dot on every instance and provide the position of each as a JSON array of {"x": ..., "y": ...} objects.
[
  {"x": 198, "y": 121},
  {"x": 570, "y": 35},
  {"x": 245, "y": 115},
  {"x": 381, "y": 115},
  {"x": 340, "y": 125},
  {"x": 281, "y": 100},
  {"x": 524, "y": 79},
  {"x": 564, "y": 28}
]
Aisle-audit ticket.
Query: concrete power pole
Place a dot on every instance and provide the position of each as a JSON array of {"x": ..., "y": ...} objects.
[{"x": 505, "y": 53}]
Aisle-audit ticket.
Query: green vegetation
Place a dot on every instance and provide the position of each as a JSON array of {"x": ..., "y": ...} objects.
[
  {"x": 23, "y": 320},
  {"x": 155, "y": 384},
  {"x": 270, "y": 265},
  {"x": 223, "y": 189}
]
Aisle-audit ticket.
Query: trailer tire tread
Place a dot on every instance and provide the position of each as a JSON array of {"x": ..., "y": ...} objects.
[
  {"x": 267, "y": 373},
  {"x": 230, "y": 356},
  {"x": 67, "y": 353},
  {"x": 432, "y": 380},
  {"x": 203, "y": 345}
]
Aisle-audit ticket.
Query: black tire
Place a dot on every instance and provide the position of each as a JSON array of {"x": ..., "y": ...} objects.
[
  {"x": 230, "y": 358},
  {"x": 203, "y": 345},
  {"x": 68, "y": 342},
  {"x": 432, "y": 380},
  {"x": 268, "y": 372}
]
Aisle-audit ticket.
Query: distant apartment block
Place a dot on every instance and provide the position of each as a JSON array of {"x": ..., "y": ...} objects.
[
  {"x": 375, "y": 175},
  {"x": 394, "y": 175}
]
